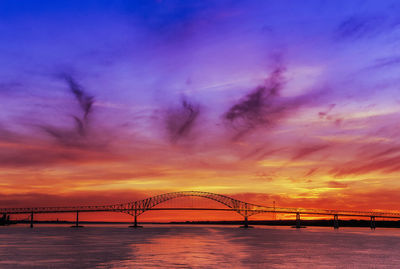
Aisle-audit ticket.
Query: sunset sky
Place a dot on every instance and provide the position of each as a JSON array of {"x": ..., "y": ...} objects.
[{"x": 112, "y": 101}]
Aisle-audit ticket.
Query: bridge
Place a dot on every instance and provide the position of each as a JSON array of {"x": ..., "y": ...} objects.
[{"x": 244, "y": 209}]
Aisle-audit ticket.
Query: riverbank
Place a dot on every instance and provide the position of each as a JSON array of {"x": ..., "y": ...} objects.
[{"x": 320, "y": 223}]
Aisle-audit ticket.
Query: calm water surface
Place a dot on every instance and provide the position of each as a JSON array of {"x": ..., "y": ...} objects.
[{"x": 197, "y": 247}]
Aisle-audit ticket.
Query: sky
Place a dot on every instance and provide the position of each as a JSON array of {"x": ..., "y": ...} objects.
[{"x": 114, "y": 101}]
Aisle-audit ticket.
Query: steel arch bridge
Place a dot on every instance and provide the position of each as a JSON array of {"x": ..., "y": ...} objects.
[{"x": 245, "y": 209}]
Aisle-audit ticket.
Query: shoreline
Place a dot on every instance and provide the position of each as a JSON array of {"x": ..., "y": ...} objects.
[{"x": 317, "y": 223}]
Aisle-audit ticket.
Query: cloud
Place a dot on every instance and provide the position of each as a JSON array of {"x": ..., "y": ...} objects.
[
  {"x": 386, "y": 62},
  {"x": 371, "y": 158},
  {"x": 8, "y": 136},
  {"x": 384, "y": 165},
  {"x": 265, "y": 107},
  {"x": 85, "y": 101},
  {"x": 40, "y": 154},
  {"x": 309, "y": 150},
  {"x": 341, "y": 198},
  {"x": 79, "y": 136},
  {"x": 258, "y": 107},
  {"x": 336, "y": 184},
  {"x": 311, "y": 172},
  {"x": 358, "y": 26},
  {"x": 37, "y": 199},
  {"x": 11, "y": 157},
  {"x": 326, "y": 115},
  {"x": 180, "y": 121},
  {"x": 249, "y": 197}
]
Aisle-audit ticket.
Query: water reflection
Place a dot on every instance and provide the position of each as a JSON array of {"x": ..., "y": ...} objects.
[
  {"x": 197, "y": 247},
  {"x": 204, "y": 247}
]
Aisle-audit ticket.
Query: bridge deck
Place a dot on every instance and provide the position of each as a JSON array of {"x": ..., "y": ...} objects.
[{"x": 303, "y": 212}]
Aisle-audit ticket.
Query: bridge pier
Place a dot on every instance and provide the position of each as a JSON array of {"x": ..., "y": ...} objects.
[
  {"x": 246, "y": 220},
  {"x": 246, "y": 223},
  {"x": 31, "y": 220},
  {"x": 135, "y": 224},
  {"x": 373, "y": 225},
  {"x": 298, "y": 223},
  {"x": 77, "y": 221},
  {"x": 5, "y": 219},
  {"x": 335, "y": 222}
]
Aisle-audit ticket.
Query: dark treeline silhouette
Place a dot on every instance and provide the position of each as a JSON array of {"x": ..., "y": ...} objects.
[{"x": 316, "y": 223}]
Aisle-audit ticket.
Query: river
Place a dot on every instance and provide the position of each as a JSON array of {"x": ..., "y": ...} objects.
[{"x": 183, "y": 246}]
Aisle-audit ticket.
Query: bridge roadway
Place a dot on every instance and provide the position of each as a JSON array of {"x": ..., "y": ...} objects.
[{"x": 243, "y": 208}]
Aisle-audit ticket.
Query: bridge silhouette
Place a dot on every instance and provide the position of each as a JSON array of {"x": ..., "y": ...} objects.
[{"x": 245, "y": 209}]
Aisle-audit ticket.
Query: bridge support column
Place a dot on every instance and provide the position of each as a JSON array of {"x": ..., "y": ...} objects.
[
  {"x": 31, "y": 220},
  {"x": 373, "y": 225},
  {"x": 246, "y": 223},
  {"x": 135, "y": 224},
  {"x": 298, "y": 223},
  {"x": 77, "y": 221},
  {"x": 246, "y": 220},
  {"x": 5, "y": 219},
  {"x": 336, "y": 222}
]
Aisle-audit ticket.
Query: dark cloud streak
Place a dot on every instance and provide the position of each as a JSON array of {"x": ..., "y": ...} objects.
[
  {"x": 258, "y": 107},
  {"x": 264, "y": 107},
  {"x": 385, "y": 161},
  {"x": 386, "y": 62},
  {"x": 356, "y": 27},
  {"x": 309, "y": 150},
  {"x": 85, "y": 101},
  {"x": 181, "y": 120},
  {"x": 75, "y": 137}
]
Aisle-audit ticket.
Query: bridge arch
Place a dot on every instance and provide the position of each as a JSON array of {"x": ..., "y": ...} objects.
[{"x": 139, "y": 207}]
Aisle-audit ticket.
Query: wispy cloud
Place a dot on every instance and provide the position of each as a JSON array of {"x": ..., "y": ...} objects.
[
  {"x": 359, "y": 26},
  {"x": 80, "y": 135},
  {"x": 180, "y": 121}
]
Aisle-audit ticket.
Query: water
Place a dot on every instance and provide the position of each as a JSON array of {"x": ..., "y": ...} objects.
[{"x": 197, "y": 247}]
